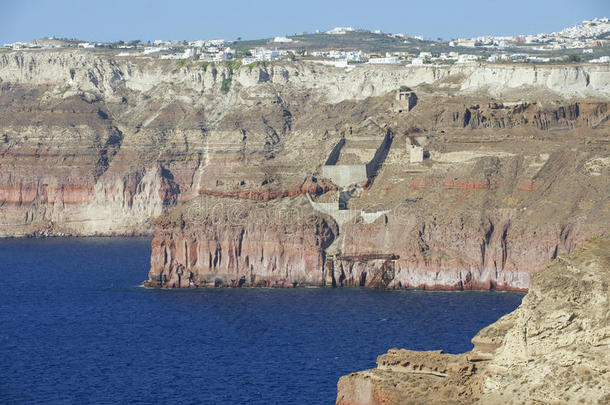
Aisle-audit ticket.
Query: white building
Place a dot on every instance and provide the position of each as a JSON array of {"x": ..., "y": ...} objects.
[
  {"x": 536, "y": 59},
  {"x": 221, "y": 56},
  {"x": 417, "y": 62},
  {"x": 282, "y": 39},
  {"x": 519, "y": 57},
  {"x": 470, "y": 43},
  {"x": 354, "y": 56},
  {"x": 262, "y": 55},
  {"x": 601, "y": 59},
  {"x": 466, "y": 58},
  {"x": 150, "y": 50},
  {"x": 384, "y": 61},
  {"x": 188, "y": 52},
  {"x": 249, "y": 59},
  {"x": 21, "y": 45},
  {"x": 341, "y": 30}
]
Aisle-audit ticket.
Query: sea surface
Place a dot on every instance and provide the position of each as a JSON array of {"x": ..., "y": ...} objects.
[{"x": 76, "y": 328}]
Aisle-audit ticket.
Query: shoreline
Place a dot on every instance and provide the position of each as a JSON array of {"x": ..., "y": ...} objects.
[{"x": 153, "y": 285}]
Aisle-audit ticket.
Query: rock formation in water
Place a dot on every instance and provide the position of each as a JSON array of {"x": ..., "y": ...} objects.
[
  {"x": 308, "y": 168},
  {"x": 554, "y": 348}
]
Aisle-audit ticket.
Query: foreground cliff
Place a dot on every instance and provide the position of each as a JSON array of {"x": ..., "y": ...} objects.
[
  {"x": 554, "y": 348},
  {"x": 513, "y": 171}
]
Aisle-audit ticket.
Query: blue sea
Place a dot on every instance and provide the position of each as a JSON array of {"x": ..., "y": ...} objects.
[{"x": 76, "y": 328}]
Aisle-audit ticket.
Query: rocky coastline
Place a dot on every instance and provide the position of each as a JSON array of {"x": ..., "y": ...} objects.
[
  {"x": 552, "y": 349},
  {"x": 234, "y": 185}
]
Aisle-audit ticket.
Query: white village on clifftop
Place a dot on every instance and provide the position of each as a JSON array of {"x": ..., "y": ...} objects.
[{"x": 586, "y": 42}]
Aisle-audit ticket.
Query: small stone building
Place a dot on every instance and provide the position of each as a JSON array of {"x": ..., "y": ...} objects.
[
  {"x": 415, "y": 152},
  {"x": 405, "y": 100}
]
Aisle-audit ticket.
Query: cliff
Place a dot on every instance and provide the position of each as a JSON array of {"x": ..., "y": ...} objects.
[
  {"x": 488, "y": 209},
  {"x": 211, "y": 242},
  {"x": 105, "y": 73},
  {"x": 552, "y": 349},
  {"x": 515, "y": 169}
]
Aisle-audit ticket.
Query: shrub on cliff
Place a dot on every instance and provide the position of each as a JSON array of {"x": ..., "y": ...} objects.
[
  {"x": 256, "y": 64},
  {"x": 233, "y": 65},
  {"x": 226, "y": 85},
  {"x": 574, "y": 58}
]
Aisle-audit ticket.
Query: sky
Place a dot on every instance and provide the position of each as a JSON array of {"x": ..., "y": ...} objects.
[{"x": 112, "y": 20}]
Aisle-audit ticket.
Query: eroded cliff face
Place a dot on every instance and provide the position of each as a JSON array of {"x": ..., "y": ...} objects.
[
  {"x": 515, "y": 170},
  {"x": 552, "y": 349},
  {"x": 484, "y": 223},
  {"x": 214, "y": 242},
  {"x": 105, "y": 73},
  {"x": 488, "y": 208}
]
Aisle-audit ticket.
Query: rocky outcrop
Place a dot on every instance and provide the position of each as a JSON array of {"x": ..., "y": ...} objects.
[
  {"x": 474, "y": 227},
  {"x": 484, "y": 234},
  {"x": 213, "y": 242},
  {"x": 112, "y": 76},
  {"x": 514, "y": 168},
  {"x": 552, "y": 349},
  {"x": 544, "y": 116}
]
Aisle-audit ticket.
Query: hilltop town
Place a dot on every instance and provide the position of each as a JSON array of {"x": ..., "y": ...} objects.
[{"x": 348, "y": 47}]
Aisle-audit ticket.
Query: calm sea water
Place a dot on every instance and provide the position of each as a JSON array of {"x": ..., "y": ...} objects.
[{"x": 76, "y": 328}]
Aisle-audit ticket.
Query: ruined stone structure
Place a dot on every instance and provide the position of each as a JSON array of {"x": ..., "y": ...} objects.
[
  {"x": 345, "y": 175},
  {"x": 415, "y": 152},
  {"x": 405, "y": 100},
  {"x": 341, "y": 215}
]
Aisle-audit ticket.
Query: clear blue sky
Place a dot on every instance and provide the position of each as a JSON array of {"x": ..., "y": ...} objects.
[{"x": 108, "y": 20}]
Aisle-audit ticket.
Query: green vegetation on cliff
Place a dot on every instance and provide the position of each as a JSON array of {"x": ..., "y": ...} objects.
[{"x": 226, "y": 85}]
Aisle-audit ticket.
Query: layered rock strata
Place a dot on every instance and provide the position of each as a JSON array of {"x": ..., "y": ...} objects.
[
  {"x": 554, "y": 348},
  {"x": 515, "y": 168},
  {"x": 214, "y": 242}
]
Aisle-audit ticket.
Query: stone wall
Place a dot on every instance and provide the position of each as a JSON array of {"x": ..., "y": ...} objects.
[
  {"x": 333, "y": 157},
  {"x": 380, "y": 155},
  {"x": 345, "y": 175}
]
